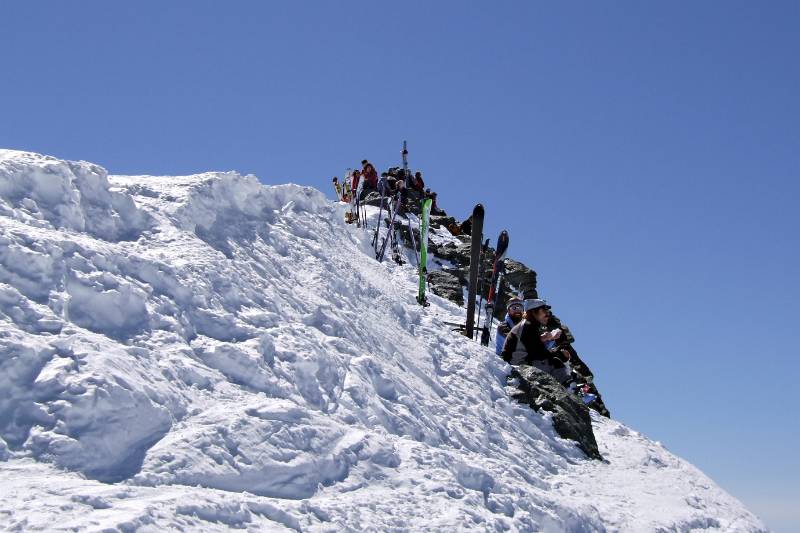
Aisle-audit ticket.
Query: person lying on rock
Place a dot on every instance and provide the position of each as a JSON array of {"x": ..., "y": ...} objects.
[
  {"x": 526, "y": 344},
  {"x": 515, "y": 310}
]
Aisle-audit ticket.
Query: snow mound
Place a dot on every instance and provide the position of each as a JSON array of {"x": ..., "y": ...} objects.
[
  {"x": 206, "y": 352},
  {"x": 46, "y": 192}
]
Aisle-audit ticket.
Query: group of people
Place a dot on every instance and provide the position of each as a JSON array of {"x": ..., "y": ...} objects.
[
  {"x": 392, "y": 182},
  {"x": 348, "y": 186},
  {"x": 528, "y": 335}
]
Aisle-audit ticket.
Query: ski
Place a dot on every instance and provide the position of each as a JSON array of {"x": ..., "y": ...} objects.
[
  {"x": 389, "y": 234},
  {"x": 351, "y": 196},
  {"x": 360, "y": 221},
  {"x": 498, "y": 270},
  {"x": 481, "y": 279},
  {"x": 382, "y": 186},
  {"x": 423, "y": 251},
  {"x": 474, "y": 266},
  {"x": 337, "y": 188}
]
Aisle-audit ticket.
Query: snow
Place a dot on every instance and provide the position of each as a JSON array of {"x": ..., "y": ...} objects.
[{"x": 206, "y": 352}]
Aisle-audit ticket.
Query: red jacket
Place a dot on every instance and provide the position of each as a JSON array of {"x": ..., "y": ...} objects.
[{"x": 371, "y": 176}]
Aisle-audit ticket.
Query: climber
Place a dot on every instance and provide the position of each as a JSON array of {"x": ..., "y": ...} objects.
[
  {"x": 419, "y": 184},
  {"x": 403, "y": 192},
  {"x": 370, "y": 175},
  {"x": 435, "y": 209},
  {"x": 526, "y": 344},
  {"x": 466, "y": 226},
  {"x": 513, "y": 316}
]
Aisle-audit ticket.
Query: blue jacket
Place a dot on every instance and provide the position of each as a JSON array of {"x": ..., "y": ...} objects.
[{"x": 500, "y": 339}]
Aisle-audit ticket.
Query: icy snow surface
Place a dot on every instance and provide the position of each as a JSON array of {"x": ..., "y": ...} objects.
[{"x": 205, "y": 353}]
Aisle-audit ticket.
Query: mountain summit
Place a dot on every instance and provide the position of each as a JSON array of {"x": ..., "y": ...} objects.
[{"x": 206, "y": 352}]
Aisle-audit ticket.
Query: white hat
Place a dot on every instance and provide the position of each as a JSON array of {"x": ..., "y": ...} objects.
[{"x": 534, "y": 303}]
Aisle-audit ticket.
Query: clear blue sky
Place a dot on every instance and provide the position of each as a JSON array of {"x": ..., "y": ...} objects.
[{"x": 644, "y": 156}]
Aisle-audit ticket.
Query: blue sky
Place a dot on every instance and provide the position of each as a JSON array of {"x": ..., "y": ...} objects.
[{"x": 644, "y": 157}]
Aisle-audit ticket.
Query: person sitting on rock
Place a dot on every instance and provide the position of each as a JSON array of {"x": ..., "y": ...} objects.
[
  {"x": 515, "y": 310},
  {"x": 435, "y": 209},
  {"x": 525, "y": 344}
]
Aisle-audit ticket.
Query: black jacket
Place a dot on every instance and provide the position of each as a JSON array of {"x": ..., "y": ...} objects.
[{"x": 524, "y": 345}]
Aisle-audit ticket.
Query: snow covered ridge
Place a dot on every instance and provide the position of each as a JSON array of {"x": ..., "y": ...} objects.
[{"x": 205, "y": 352}]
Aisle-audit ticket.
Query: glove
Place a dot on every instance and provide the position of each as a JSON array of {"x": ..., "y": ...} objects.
[{"x": 504, "y": 328}]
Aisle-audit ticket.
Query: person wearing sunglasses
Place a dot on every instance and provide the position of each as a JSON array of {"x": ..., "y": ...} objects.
[
  {"x": 526, "y": 344},
  {"x": 515, "y": 310}
]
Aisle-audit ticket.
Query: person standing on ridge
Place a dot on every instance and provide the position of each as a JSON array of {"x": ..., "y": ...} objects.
[
  {"x": 370, "y": 175},
  {"x": 419, "y": 184},
  {"x": 512, "y": 318}
]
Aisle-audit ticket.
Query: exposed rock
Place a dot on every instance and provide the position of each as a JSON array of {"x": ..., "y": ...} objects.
[
  {"x": 522, "y": 278},
  {"x": 518, "y": 281},
  {"x": 438, "y": 221},
  {"x": 571, "y": 417},
  {"x": 372, "y": 198},
  {"x": 446, "y": 285},
  {"x": 455, "y": 253}
]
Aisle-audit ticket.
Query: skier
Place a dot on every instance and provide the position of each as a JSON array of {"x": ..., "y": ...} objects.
[
  {"x": 370, "y": 175},
  {"x": 526, "y": 344},
  {"x": 513, "y": 316}
]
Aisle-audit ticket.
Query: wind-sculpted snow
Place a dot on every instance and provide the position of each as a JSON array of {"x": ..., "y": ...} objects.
[{"x": 205, "y": 353}]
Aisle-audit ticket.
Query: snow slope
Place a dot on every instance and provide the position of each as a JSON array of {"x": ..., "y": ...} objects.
[{"x": 205, "y": 352}]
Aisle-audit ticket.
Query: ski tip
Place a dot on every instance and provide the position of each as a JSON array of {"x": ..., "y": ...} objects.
[{"x": 478, "y": 211}]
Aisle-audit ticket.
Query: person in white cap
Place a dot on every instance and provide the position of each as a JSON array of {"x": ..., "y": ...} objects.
[{"x": 525, "y": 343}]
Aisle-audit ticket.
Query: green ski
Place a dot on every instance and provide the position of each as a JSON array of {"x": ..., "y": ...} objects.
[{"x": 423, "y": 250}]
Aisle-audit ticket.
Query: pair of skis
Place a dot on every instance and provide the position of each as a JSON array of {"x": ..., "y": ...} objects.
[
  {"x": 475, "y": 268},
  {"x": 498, "y": 271},
  {"x": 355, "y": 203},
  {"x": 390, "y": 234},
  {"x": 422, "y": 265}
]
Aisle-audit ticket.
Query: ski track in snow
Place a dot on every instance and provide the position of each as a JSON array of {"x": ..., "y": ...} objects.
[{"x": 206, "y": 353}]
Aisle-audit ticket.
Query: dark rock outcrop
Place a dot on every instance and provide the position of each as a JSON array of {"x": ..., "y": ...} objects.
[
  {"x": 372, "y": 198},
  {"x": 522, "y": 278},
  {"x": 571, "y": 418},
  {"x": 438, "y": 221},
  {"x": 538, "y": 389},
  {"x": 519, "y": 280},
  {"x": 446, "y": 285}
]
